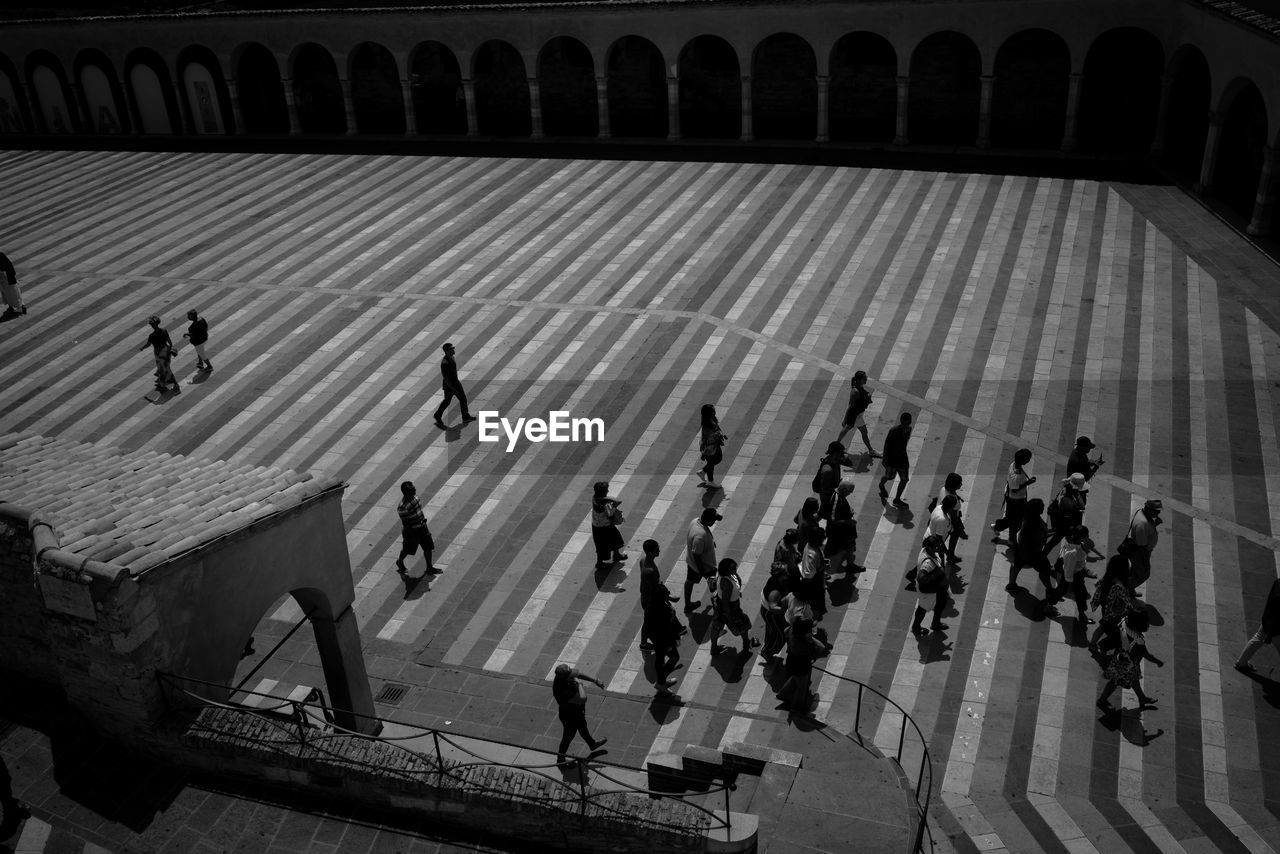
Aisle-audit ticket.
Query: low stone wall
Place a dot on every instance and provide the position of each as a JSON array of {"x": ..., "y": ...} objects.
[
  {"x": 492, "y": 799},
  {"x": 24, "y": 640}
]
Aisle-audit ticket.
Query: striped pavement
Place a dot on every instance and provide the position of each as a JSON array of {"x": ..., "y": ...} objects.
[{"x": 1003, "y": 311}]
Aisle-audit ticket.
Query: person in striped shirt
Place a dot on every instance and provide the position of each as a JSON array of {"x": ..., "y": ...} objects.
[{"x": 415, "y": 531}]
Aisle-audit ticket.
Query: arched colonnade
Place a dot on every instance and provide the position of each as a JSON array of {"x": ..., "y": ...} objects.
[{"x": 1123, "y": 96}]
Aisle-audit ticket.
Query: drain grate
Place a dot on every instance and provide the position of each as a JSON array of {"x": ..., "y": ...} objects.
[{"x": 391, "y": 694}]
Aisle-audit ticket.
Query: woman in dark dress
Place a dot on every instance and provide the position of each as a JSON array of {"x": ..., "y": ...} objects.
[
  {"x": 803, "y": 648},
  {"x": 571, "y": 698},
  {"x": 1113, "y": 598},
  {"x": 773, "y": 607},
  {"x": 710, "y": 446}
]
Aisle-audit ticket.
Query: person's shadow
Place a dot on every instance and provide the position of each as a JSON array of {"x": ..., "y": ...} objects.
[{"x": 610, "y": 580}]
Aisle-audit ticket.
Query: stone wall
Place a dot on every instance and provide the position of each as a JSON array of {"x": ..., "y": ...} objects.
[{"x": 24, "y": 641}]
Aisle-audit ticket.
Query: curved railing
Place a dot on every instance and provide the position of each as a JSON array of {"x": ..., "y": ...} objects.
[
  {"x": 926, "y": 762},
  {"x": 291, "y": 719}
]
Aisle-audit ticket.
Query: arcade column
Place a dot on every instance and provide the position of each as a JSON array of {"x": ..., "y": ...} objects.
[
  {"x": 1265, "y": 202},
  {"x": 1073, "y": 106},
  {"x": 291, "y": 104},
  {"x": 984, "y": 111},
  {"x": 746, "y": 135},
  {"x": 349, "y": 104},
  {"x": 824, "y": 85},
  {"x": 469, "y": 94},
  {"x": 1210, "y": 161},
  {"x": 904, "y": 92},
  {"x": 1157, "y": 144},
  {"x": 233, "y": 92},
  {"x": 673, "y": 107},
  {"x": 410, "y": 114},
  {"x": 602, "y": 106},
  {"x": 535, "y": 108}
]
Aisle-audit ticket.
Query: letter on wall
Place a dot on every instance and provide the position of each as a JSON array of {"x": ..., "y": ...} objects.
[
  {"x": 102, "y": 104},
  {"x": 149, "y": 95},
  {"x": 203, "y": 97},
  {"x": 53, "y": 106}
]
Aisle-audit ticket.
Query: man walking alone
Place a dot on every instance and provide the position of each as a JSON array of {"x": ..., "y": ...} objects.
[
  {"x": 452, "y": 387},
  {"x": 198, "y": 333}
]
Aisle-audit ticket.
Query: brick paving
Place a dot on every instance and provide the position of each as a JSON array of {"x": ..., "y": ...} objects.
[{"x": 1005, "y": 311}]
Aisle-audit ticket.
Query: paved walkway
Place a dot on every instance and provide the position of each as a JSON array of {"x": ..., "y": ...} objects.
[{"x": 1003, "y": 310}]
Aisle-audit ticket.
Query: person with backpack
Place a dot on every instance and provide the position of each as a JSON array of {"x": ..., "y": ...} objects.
[
  {"x": 1015, "y": 495},
  {"x": 1066, "y": 510},
  {"x": 571, "y": 700},
  {"x": 1124, "y": 670},
  {"x": 606, "y": 513},
  {"x": 710, "y": 447},
  {"x": 812, "y": 586},
  {"x": 1140, "y": 542},
  {"x": 1072, "y": 569},
  {"x": 828, "y": 477},
  {"x": 931, "y": 584},
  {"x": 955, "y": 515},
  {"x": 661, "y": 627},
  {"x": 854, "y": 415}
]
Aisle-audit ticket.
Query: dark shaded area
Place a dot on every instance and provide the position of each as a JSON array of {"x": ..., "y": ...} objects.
[
  {"x": 1029, "y": 95},
  {"x": 436, "y": 83},
  {"x": 1187, "y": 120},
  {"x": 318, "y": 92},
  {"x": 375, "y": 90},
  {"x": 262, "y": 102},
  {"x": 784, "y": 89},
  {"x": 567, "y": 89},
  {"x": 103, "y": 123},
  {"x": 1120, "y": 92},
  {"x": 710, "y": 90},
  {"x": 502, "y": 91},
  {"x": 637, "y": 89},
  {"x": 1239, "y": 166},
  {"x": 945, "y": 91},
  {"x": 862, "y": 99}
]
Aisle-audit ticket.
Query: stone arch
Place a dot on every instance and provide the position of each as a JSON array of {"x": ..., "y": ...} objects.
[
  {"x": 151, "y": 93},
  {"x": 317, "y": 90},
  {"x": 784, "y": 88},
  {"x": 567, "y": 88},
  {"x": 206, "y": 101},
  {"x": 263, "y": 105},
  {"x": 1187, "y": 117},
  {"x": 946, "y": 90},
  {"x": 375, "y": 90},
  {"x": 55, "y": 108},
  {"x": 862, "y": 98},
  {"x": 502, "y": 90},
  {"x": 103, "y": 96},
  {"x": 1029, "y": 94},
  {"x": 1120, "y": 92},
  {"x": 435, "y": 80},
  {"x": 637, "y": 88},
  {"x": 1243, "y": 137},
  {"x": 710, "y": 89},
  {"x": 15, "y": 113}
]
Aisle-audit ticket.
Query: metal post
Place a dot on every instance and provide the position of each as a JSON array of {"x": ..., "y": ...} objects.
[
  {"x": 435, "y": 737},
  {"x": 857, "y": 716},
  {"x": 726, "y": 808},
  {"x": 902, "y": 733},
  {"x": 582, "y": 782},
  {"x": 300, "y": 716}
]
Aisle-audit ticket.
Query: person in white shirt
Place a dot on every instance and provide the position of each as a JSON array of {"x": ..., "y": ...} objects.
[{"x": 1015, "y": 495}]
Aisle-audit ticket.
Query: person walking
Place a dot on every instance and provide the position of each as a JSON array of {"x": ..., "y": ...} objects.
[
  {"x": 854, "y": 414},
  {"x": 571, "y": 698},
  {"x": 1015, "y": 495},
  {"x": 812, "y": 587},
  {"x": 414, "y": 531},
  {"x": 727, "y": 604},
  {"x": 1124, "y": 670},
  {"x": 931, "y": 586},
  {"x": 940, "y": 524},
  {"x": 1030, "y": 546},
  {"x": 198, "y": 333},
  {"x": 842, "y": 532},
  {"x": 1112, "y": 598},
  {"x": 452, "y": 387},
  {"x": 162, "y": 347},
  {"x": 829, "y": 477},
  {"x": 803, "y": 649},
  {"x": 10, "y": 290},
  {"x": 1078, "y": 461},
  {"x": 895, "y": 459},
  {"x": 1072, "y": 570},
  {"x": 773, "y": 608},
  {"x": 951, "y": 487},
  {"x": 1268, "y": 632},
  {"x": 700, "y": 555},
  {"x": 1066, "y": 510},
  {"x": 1141, "y": 541},
  {"x": 786, "y": 558},
  {"x": 710, "y": 448},
  {"x": 661, "y": 628},
  {"x": 606, "y": 513}
]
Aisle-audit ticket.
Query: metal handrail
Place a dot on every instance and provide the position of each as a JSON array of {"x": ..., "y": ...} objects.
[
  {"x": 926, "y": 761},
  {"x": 275, "y": 716}
]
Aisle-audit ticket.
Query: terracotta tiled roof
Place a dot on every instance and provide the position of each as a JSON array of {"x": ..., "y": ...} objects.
[{"x": 141, "y": 508}]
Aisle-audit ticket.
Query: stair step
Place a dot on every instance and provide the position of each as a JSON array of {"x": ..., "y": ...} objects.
[{"x": 35, "y": 836}]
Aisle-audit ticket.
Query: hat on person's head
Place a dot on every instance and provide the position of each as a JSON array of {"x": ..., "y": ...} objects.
[
  {"x": 447, "y": 347},
  {"x": 1153, "y": 504},
  {"x": 563, "y": 670},
  {"x": 407, "y": 487},
  {"x": 710, "y": 515},
  {"x": 1076, "y": 482},
  {"x": 835, "y": 448},
  {"x": 932, "y": 542},
  {"x": 1085, "y": 442}
]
